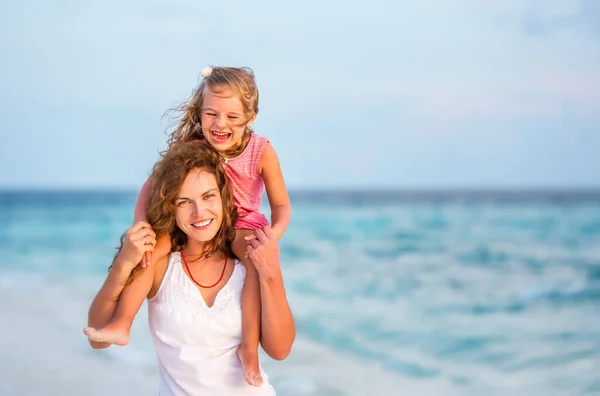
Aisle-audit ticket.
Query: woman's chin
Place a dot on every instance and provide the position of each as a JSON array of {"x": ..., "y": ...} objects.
[{"x": 202, "y": 235}]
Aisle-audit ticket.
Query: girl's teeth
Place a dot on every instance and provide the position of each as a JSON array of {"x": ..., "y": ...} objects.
[{"x": 220, "y": 136}]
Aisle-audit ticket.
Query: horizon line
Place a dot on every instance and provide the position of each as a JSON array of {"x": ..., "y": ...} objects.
[{"x": 339, "y": 189}]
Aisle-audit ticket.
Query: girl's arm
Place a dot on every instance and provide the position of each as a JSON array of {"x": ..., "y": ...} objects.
[
  {"x": 139, "y": 212},
  {"x": 278, "y": 329},
  {"x": 281, "y": 208}
]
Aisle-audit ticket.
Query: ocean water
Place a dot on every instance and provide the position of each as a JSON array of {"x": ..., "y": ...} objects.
[{"x": 394, "y": 293}]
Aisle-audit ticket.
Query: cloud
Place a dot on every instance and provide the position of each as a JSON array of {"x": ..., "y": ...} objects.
[
  {"x": 396, "y": 81},
  {"x": 546, "y": 95},
  {"x": 583, "y": 15}
]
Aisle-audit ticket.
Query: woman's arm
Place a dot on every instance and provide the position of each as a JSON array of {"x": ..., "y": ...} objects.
[
  {"x": 136, "y": 241},
  {"x": 278, "y": 329},
  {"x": 279, "y": 201},
  {"x": 104, "y": 305}
]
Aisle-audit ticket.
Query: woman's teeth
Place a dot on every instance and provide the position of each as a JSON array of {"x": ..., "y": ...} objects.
[{"x": 202, "y": 223}]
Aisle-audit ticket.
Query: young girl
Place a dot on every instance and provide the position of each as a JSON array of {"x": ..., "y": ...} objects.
[{"x": 220, "y": 112}]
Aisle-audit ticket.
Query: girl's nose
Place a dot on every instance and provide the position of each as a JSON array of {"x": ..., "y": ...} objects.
[{"x": 221, "y": 122}]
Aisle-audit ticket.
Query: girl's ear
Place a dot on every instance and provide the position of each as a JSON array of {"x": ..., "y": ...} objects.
[{"x": 251, "y": 121}]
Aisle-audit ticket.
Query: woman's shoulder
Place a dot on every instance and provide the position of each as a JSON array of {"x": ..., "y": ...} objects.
[
  {"x": 238, "y": 267},
  {"x": 160, "y": 269},
  {"x": 238, "y": 275}
]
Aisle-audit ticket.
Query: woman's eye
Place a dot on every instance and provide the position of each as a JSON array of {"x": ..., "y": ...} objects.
[{"x": 209, "y": 196}]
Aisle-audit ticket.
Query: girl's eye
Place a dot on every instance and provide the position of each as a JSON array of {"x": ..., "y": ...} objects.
[{"x": 233, "y": 117}]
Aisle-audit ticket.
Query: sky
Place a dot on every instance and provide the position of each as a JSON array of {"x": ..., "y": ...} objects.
[{"x": 380, "y": 94}]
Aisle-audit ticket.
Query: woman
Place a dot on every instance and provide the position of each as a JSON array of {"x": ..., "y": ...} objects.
[{"x": 194, "y": 303}]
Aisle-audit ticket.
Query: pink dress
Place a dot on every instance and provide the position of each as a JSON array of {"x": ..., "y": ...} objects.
[{"x": 247, "y": 183}]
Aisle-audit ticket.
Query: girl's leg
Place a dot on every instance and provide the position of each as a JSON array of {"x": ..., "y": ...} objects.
[{"x": 248, "y": 350}]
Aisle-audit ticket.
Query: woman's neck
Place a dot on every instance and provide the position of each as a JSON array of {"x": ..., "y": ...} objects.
[{"x": 195, "y": 248}]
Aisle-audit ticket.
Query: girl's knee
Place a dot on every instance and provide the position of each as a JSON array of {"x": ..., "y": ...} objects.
[
  {"x": 239, "y": 244},
  {"x": 242, "y": 233}
]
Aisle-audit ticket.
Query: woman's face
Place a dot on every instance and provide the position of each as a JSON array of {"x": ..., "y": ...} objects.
[{"x": 199, "y": 208}]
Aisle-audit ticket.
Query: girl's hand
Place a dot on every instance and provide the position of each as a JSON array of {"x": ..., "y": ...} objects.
[
  {"x": 263, "y": 250},
  {"x": 139, "y": 239}
]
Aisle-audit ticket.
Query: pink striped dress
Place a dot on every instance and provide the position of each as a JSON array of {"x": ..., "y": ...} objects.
[{"x": 247, "y": 184}]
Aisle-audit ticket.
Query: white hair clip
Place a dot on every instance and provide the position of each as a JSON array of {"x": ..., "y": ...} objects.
[{"x": 206, "y": 72}]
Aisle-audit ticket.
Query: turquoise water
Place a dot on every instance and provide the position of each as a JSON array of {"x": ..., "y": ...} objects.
[{"x": 485, "y": 291}]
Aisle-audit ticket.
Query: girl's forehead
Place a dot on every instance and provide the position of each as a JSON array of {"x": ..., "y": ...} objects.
[
  {"x": 221, "y": 92},
  {"x": 223, "y": 96}
]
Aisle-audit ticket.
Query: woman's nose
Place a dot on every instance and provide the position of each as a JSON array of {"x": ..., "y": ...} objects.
[{"x": 198, "y": 208}]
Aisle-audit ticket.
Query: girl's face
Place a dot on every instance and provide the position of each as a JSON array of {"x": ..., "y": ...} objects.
[
  {"x": 199, "y": 208},
  {"x": 223, "y": 119}
]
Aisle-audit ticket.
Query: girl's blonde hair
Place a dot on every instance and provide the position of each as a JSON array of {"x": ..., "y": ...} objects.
[{"x": 188, "y": 115}]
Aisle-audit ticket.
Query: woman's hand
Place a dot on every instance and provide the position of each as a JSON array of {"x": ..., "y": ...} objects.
[
  {"x": 138, "y": 240},
  {"x": 263, "y": 250}
]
